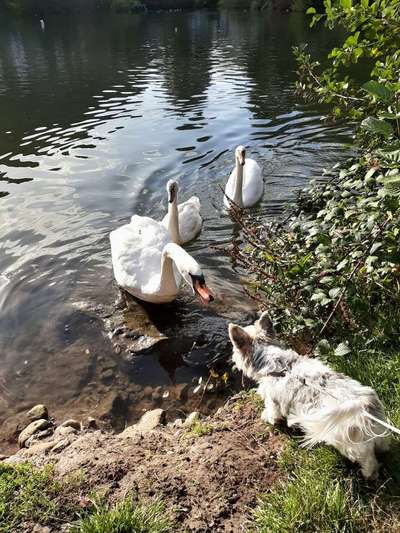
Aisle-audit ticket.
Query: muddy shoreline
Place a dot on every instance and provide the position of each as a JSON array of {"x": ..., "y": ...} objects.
[{"x": 209, "y": 471}]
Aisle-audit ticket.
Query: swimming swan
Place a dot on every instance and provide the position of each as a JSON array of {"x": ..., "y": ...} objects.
[
  {"x": 245, "y": 185},
  {"x": 183, "y": 221},
  {"x": 150, "y": 267}
]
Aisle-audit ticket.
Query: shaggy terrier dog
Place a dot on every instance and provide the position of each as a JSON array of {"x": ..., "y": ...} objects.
[{"x": 329, "y": 407}]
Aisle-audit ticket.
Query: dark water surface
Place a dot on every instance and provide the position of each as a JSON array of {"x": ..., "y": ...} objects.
[{"x": 95, "y": 116}]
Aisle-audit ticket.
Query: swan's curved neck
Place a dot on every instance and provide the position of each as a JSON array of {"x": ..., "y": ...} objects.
[
  {"x": 173, "y": 253},
  {"x": 238, "y": 194},
  {"x": 173, "y": 221},
  {"x": 167, "y": 281}
]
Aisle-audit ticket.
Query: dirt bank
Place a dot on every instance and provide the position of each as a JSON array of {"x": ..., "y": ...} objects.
[{"x": 209, "y": 472}]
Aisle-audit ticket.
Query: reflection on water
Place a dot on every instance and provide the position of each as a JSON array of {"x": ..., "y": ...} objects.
[{"x": 96, "y": 116}]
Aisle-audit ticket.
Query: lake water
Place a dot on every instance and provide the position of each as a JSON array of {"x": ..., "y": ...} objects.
[{"x": 96, "y": 114}]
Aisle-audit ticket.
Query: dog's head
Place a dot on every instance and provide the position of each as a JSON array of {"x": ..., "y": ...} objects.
[{"x": 248, "y": 342}]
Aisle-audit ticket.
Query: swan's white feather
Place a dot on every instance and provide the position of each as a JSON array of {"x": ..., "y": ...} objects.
[
  {"x": 253, "y": 185},
  {"x": 136, "y": 251},
  {"x": 190, "y": 221}
]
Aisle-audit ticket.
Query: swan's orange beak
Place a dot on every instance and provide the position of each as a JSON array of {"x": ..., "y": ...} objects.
[{"x": 204, "y": 292}]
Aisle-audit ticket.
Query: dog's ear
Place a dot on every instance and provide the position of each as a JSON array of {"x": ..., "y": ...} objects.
[
  {"x": 265, "y": 324},
  {"x": 239, "y": 337}
]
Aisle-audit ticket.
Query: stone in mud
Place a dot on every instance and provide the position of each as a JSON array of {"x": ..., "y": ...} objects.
[
  {"x": 156, "y": 395},
  {"x": 181, "y": 391},
  {"x": 191, "y": 419},
  {"x": 148, "y": 422},
  {"x": 107, "y": 376},
  {"x": 32, "y": 428},
  {"x": 71, "y": 423},
  {"x": 40, "y": 435},
  {"x": 38, "y": 449},
  {"x": 91, "y": 423},
  {"x": 37, "y": 412},
  {"x": 61, "y": 445},
  {"x": 63, "y": 431}
]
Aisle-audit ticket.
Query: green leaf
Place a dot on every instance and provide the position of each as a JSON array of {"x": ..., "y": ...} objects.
[
  {"x": 334, "y": 292},
  {"x": 318, "y": 296},
  {"x": 377, "y": 126},
  {"x": 392, "y": 184},
  {"x": 311, "y": 11},
  {"x": 323, "y": 346},
  {"x": 375, "y": 247},
  {"x": 342, "y": 264},
  {"x": 370, "y": 173},
  {"x": 346, "y": 4},
  {"x": 378, "y": 90},
  {"x": 342, "y": 349}
]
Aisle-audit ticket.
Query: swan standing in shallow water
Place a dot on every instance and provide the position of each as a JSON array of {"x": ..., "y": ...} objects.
[
  {"x": 245, "y": 185},
  {"x": 150, "y": 267},
  {"x": 183, "y": 221}
]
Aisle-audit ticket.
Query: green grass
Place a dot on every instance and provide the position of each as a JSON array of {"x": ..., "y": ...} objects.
[
  {"x": 26, "y": 494},
  {"x": 321, "y": 494},
  {"x": 126, "y": 517},
  {"x": 199, "y": 429}
]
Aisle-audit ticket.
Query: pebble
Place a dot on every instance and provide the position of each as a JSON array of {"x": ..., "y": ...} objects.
[
  {"x": 37, "y": 412},
  {"x": 71, "y": 423},
  {"x": 62, "y": 431},
  {"x": 149, "y": 421},
  {"x": 91, "y": 423},
  {"x": 32, "y": 428}
]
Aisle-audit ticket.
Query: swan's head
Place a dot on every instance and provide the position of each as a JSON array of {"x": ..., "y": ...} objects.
[
  {"x": 240, "y": 155},
  {"x": 190, "y": 271},
  {"x": 172, "y": 190},
  {"x": 194, "y": 277}
]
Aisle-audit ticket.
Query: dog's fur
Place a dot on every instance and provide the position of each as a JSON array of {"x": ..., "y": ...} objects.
[{"x": 329, "y": 407}]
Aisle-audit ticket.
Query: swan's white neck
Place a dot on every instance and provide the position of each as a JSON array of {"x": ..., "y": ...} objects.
[
  {"x": 167, "y": 281},
  {"x": 238, "y": 194},
  {"x": 173, "y": 253},
  {"x": 173, "y": 221}
]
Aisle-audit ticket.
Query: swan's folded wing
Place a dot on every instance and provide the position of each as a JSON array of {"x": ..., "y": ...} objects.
[
  {"x": 230, "y": 188},
  {"x": 190, "y": 221},
  {"x": 136, "y": 250},
  {"x": 192, "y": 203},
  {"x": 253, "y": 184}
]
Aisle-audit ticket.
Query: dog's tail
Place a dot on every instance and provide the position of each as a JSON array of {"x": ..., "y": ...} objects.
[{"x": 345, "y": 423}]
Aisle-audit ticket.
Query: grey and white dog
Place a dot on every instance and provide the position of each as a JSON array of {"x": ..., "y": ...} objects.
[{"x": 329, "y": 407}]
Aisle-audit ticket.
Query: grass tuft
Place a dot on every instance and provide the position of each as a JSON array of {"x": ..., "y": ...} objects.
[
  {"x": 26, "y": 495},
  {"x": 126, "y": 517},
  {"x": 199, "y": 429}
]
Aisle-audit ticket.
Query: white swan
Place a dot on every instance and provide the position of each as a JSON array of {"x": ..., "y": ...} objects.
[
  {"x": 147, "y": 265},
  {"x": 245, "y": 185},
  {"x": 183, "y": 221}
]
